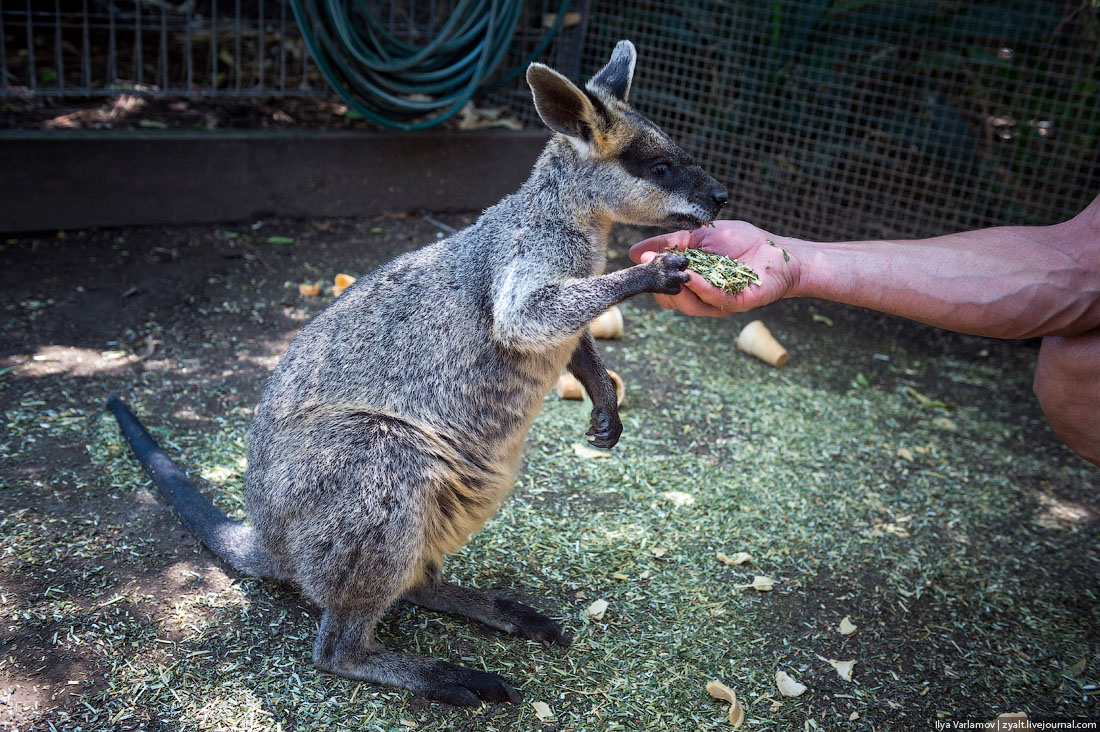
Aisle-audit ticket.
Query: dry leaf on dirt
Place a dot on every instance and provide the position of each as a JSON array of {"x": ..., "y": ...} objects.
[
  {"x": 759, "y": 583},
  {"x": 341, "y": 282},
  {"x": 738, "y": 558},
  {"x": 721, "y": 691},
  {"x": 788, "y": 686},
  {"x": 846, "y": 627},
  {"x": 588, "y": 453},
  {"x": 597, "y": 609},
  {"x": 843, "y": 668},
  {"x": 944, "y": 424},
  {"x": 905, "y": 454},
  {"x": 659, "y": 551},
  {"x": 309, "y": 289},
  {"x": 542, "y": 710}
]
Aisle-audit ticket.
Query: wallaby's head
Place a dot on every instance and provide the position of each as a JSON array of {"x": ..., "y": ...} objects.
[{"x": 636, "y": 173}]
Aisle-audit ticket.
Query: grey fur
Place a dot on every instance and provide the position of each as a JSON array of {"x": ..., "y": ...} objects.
[{"x": 393, "y": 426}]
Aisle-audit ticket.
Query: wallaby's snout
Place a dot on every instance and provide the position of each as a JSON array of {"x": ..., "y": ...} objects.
[
  {"x": 708, "y": 194},
  {"x": 637, "y": 174}
]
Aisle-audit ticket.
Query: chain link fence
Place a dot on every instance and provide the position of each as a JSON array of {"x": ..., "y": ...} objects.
[
  {"x": 841, "y": 119},
  {"x": 88, "y": 48},
  {"x": 826, "y": 118},
  {"x": 217, "y": 49}
]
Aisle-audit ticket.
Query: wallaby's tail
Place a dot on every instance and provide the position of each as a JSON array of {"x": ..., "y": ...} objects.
[{"x": 233, "y": 542}]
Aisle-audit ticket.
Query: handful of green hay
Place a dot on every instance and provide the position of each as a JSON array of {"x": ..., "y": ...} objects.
[{"x": 727, "y": 274}]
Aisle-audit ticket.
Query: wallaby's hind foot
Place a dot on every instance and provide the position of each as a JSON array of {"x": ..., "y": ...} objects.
[
  {"x": 345, "y": 647},
  {"x": 492, "y": 610}
]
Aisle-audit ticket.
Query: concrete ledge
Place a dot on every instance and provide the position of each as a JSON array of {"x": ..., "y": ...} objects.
[{"x": 72, "y": 180}]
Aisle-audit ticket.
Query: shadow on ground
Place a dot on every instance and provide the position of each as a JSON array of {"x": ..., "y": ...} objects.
[{"x": 962, "y": 542}]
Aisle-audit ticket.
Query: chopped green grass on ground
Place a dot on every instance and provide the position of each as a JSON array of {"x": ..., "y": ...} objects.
[{"x": 963, "y": 547}]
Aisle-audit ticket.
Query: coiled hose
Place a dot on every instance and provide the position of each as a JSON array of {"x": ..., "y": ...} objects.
[{"x": 396, "y": 84}]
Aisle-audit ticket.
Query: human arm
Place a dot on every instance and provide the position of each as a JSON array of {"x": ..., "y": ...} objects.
[{"x": 1004, "y": 282}]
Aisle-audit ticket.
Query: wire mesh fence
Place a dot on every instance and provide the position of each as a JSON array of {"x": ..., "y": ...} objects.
[
  {"x": 852, "y": 119},
  {"x": 236, "y": 48},
  {"x": 827, "y": 118},
  {"x": 231, "y": 48}
]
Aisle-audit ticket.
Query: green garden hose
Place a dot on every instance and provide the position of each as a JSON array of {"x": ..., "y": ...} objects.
[{"x": 396, "y": 84}]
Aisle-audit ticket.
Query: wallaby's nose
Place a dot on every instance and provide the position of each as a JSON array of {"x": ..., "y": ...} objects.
[{"x": 720, "y": 196}]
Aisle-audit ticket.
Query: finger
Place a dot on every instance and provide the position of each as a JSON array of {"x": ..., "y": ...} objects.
[
  {"x": 665, "y": 301},
  {"x": 689, "y": 303},
  {"x": 719, "y": 301},
  {"x": 678, "y": 239},
  {"x": 645, "y": 257}
]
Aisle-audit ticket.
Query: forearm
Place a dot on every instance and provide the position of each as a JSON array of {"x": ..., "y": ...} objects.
[{"x": 1007, "y": 282}]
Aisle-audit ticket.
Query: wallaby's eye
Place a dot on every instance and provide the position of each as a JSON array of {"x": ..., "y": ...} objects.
[{"x": 660, "y": 170}]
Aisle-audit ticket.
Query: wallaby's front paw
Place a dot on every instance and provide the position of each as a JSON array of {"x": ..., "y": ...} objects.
[
  {"x": 606, "y": 428},
  {"x": 668, "y": 270},
  {"x": 529, "y": 623},
  {"x": 466, "y": 687}
]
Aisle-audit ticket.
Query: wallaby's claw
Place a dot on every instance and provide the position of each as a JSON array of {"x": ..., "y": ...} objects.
[
  {"x": 467, "y": 687},
  {"x": 670, "y": 273},
  {"x": 530, "y": 624},
  {"x": 605, "y": 430}
]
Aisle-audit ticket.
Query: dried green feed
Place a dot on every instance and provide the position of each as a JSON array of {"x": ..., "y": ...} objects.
[{"x": 727, "y": 274}]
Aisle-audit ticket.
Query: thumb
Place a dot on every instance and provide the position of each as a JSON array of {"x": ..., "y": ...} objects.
[
  {"x": 646, "y": 257},
  {"x": 678, "y": 239}
]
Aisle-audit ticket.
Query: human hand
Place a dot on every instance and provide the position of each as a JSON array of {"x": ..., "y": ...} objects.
[{"x": 738, "y": 239}]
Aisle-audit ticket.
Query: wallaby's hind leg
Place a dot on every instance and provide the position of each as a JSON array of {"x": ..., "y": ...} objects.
[
  {"x": 492, "y": 610},
  {"x": 345, "y": 646}
]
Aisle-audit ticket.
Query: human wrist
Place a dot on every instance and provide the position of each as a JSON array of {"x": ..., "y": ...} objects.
[{"x": 799, "y": 255}]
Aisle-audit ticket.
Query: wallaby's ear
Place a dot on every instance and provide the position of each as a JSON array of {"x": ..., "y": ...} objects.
[
  {"x": 563, "y": 107},
  {"x": 615, "y": 78}
]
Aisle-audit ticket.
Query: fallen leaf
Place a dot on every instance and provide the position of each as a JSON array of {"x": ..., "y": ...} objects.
[
  {"x": 819, "y": 318},
  {"x": 309, "y": 289},
  {"x": 905, "y": 454},
  {"x": 678, "y": 498},
  {"x": 408, "y": 723},
  {"x": 659, "y": 551},
  {"x": 721, "y": 691},
  {"x": 620, "y": 576},
  {"x": 927, "y": 401},
  {"x": 759, "y": 583},
  {"x": 588, "y": 453},
  {"x": 844, "y": 668},
  {"x": 597, "y": 609},
  {"x": 1078, "y": 668},
  {"x": 846, "y": 627},
  {"x": 853, "y": 716},
  {"x": 542, "y": 710},
  {"x": 341, "y": 282},
  {"x": 736, "y": 559},
  {"x": 788, "y": 686},
  {"x": 944, "y": 424}
]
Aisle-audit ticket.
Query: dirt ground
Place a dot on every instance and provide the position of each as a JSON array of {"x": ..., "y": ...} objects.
[{"x": 961, "y": 539}]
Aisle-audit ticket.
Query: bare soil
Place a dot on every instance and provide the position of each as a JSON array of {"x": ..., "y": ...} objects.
[{"x": 190, "y": 320}]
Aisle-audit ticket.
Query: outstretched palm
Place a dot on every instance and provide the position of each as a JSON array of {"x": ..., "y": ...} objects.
[{"x": 739, "y": 240}]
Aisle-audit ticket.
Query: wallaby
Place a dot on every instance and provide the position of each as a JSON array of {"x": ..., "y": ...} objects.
[{"x": 392, "y": 428}]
